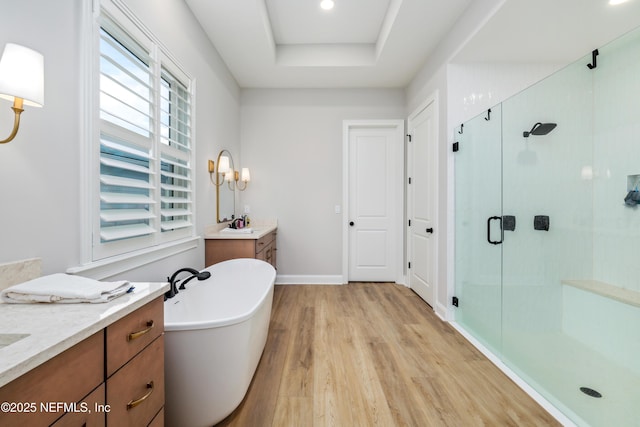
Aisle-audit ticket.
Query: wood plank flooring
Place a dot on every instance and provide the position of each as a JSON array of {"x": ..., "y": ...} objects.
[{"x": 374, "y": 354}]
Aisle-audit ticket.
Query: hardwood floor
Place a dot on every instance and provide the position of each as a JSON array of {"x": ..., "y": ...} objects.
[{"x": 374, "y": 354}]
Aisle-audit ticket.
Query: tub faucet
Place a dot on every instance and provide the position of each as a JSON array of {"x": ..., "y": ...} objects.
[{"x": 173, "y": 289}]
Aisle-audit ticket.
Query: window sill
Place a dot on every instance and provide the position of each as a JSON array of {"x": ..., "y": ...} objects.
[{"x": 118, "y": 264}]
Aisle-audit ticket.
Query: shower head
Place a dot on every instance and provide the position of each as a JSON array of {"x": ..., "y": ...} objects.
[{"x": 540, "y": 129}]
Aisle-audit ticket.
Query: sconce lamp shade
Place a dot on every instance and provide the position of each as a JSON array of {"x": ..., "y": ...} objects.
[
  {"x": 246, "y": 176},
  {"x": 22, "y": 75},
  {"x": 223, "y": 165}
]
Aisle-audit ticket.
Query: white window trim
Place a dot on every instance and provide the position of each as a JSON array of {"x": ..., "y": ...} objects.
[
  {"x": 120, "y": 263},
  {"x": 89, "y": 128}
]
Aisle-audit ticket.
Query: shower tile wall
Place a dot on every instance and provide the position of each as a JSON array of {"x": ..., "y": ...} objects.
[
  {"x": 616, "y": 155},
  {"x": 542, "y": 176},
  {"x": 478, "y": 86},
  {"x": 610, "y": 327}
]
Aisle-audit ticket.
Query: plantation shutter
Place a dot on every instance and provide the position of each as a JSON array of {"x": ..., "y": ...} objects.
[
  {"x": 126, "y": 113},
  {"x": 145, "y": 145},
  {"x": 175, "y": 148}
]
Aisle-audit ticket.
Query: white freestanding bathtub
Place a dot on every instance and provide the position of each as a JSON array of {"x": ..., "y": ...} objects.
[{"x": 215, "y": 332}]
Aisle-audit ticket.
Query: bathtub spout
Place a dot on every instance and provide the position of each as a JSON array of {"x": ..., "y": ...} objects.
[{"x": 173, "y": 288}]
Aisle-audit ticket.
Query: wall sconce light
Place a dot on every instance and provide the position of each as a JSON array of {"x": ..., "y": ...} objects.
[
  {"x": 227, "y": 172},
  {"x": 21, "y": 81}
]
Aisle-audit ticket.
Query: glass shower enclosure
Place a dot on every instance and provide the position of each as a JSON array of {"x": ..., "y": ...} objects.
[{"x": 547, "y": 227}]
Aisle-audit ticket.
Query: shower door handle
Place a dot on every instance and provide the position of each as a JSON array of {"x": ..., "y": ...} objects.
[{"x": 494, "y": 242}]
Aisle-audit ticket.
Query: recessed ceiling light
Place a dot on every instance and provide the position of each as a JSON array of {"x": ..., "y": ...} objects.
[
  {"x": 616, "y": 2},
  {"x": 327, "y": 4}
]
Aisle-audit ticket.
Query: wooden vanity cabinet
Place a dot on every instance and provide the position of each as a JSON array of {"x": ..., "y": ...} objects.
[
  {"x": 86, "y": 419},
  {"x": 118, "y": 370},
  {"x": 264, "y": 248},
  {"x": 67, "y": 378},
  {"x": 135, "y": 366}
]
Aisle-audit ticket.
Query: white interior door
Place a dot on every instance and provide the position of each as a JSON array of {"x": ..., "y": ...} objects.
[
  {"x": 422, "y": 193},
  {"x": 374, "y": 202}
]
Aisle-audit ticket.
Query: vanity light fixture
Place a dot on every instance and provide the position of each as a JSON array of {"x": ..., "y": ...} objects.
[
  {"x": 234, "y": 179},
  {"x": 327, "y": 4},
  {"x": 225, "y": 171},
  {"x": 21, "y": 81}
]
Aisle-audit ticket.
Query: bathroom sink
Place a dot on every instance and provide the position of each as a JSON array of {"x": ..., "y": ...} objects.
[
  {"x": 8, "y": 339},
  {"x": 246, "y": 230}
]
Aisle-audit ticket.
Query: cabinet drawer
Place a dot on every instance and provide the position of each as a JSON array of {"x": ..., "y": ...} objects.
[
  {"x": 129, "y": 335},
  {"x": 158, "y": 420},
  {"x": 95, "y": 415},
  {"x": 136, "y": 392},
  {"x": 67, "y": 378},
  {"x": 267, "y": 254},
  {"x": 265, "y": 241}
]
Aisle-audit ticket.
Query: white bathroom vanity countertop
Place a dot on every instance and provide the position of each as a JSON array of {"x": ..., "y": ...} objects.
[
  {"x": 260, "y": 229},
  {"x": 54, "y": 328}
]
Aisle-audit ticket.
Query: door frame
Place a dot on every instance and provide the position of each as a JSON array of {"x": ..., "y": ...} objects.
[
  {"x": 432, "y": 99},
  {"x": 398, "y": 126}
]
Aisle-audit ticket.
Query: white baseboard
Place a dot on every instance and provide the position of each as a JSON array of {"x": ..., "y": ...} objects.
[
  {"x": 292, "y": 279},
  {"x": 442, "y": 312}
]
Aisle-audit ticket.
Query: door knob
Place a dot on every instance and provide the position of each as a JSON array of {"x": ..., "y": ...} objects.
[
  {"x": 352, "y": 223},
  {"x": 429, "y": 230}
]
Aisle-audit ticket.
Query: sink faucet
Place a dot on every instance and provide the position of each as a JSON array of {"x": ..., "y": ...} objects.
[{"x": 173, "y": 289}]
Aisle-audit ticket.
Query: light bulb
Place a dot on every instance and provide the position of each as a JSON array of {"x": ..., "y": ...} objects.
[{"x": 327, "y": 4}]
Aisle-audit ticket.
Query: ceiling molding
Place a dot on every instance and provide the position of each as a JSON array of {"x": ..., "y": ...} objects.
[
  {"x": 326, "y": 55},
  {"x": 268, "y": 30},
  {"x": 387, "y": 25}
]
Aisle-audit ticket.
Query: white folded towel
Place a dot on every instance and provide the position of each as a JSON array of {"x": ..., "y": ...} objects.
[{"x": 64, "y": 288}]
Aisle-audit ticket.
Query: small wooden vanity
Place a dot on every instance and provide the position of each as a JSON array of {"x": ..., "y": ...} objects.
[
  {"x": 261, "y": 244},
  {"x": 113, "y": 377}
]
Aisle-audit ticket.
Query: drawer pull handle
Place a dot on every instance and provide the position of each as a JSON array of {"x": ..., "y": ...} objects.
[
  {"x": 133, "y": 335},
  {"x": 136, "y": 402}
]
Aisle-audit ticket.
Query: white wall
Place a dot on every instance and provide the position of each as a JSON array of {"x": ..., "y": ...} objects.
[
  {"x": 431, "y": 79},
  {"x": 475, "y": 87},
  {"x": 40, "y": 169},
  {"x": 292, "y": 142},
  {"x": 39, "y": 189}
]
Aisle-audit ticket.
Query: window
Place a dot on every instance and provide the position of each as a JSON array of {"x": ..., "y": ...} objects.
[{"x": 144, "y": 187}]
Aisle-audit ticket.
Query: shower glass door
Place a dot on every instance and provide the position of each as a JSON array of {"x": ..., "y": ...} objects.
[
  {"x": 478, "y": 182},
  {"x": 547, "y": 227},
  {"x": 546, "y": 188}
]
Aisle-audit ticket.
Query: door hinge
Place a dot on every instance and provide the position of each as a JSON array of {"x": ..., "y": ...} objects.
[
  {"x": 409, "y": 223},
  {"x": 409, "y": 264},
  {"x": 409, "y": 136},
  {"x": 456, "y": 147},
  {"x": 455, "y": 301},
  {"x": 409, "y": 180}
]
